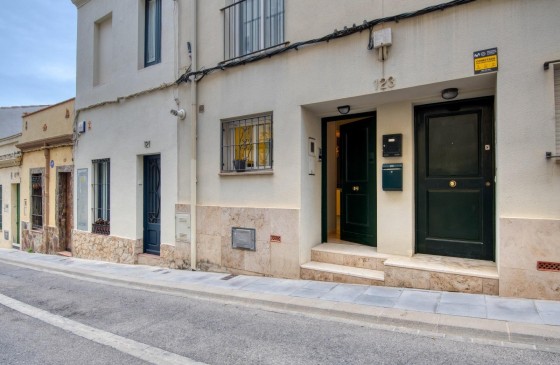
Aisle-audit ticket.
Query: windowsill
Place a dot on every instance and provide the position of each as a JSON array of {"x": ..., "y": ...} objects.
[{"x": 246, "y": 173}]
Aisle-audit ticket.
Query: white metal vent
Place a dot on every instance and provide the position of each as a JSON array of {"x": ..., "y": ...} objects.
[{"x": 243, "y": 238}]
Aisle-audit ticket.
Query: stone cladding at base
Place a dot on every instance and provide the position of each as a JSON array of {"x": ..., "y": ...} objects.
[
  {"x": 92, "y": 246},
  {"x": 175, "y": 257}
]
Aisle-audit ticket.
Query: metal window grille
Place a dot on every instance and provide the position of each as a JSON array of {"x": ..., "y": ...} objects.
[
  {"x": 247, "y": 144},
  {"x": 101, "y": 196},
  {"x": 252, "y": 25},
  {"x": 37, "y": 201}
]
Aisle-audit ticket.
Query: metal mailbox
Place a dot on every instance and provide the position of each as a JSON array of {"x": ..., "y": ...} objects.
[{"x": 392, "y": 176}]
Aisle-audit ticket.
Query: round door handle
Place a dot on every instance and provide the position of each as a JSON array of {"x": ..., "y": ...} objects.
[
  {"x": 453, "y": 184},
  {"x": 488, "y": 183}
]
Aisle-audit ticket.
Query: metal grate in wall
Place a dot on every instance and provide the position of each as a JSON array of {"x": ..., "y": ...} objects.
[{"x": 548, "y": 266}]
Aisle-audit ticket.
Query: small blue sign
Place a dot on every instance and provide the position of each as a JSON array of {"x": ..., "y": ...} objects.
[{"x": 52, "y": 164}]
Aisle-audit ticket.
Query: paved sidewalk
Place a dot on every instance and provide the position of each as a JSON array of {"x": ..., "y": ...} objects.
[{"x": 471, "y": 317}]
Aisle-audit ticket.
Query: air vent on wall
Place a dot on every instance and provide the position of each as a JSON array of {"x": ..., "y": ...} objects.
[{"x": 548, "y": 266}]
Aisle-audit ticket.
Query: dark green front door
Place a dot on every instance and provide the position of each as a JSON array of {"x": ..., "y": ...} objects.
[
  {"x": 455, "y": 179},
  {"x": 358, "y": 197},
  {"x": 152, "y": 204}
]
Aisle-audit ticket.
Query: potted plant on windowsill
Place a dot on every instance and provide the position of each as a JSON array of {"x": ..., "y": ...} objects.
[{"x": 241, "y": 163}]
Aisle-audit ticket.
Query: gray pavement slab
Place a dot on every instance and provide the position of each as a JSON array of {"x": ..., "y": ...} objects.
[
  {"x": 345, "y": 293},
  {"x": 517, "y": 310},
  {"x": 418, "y": 300}
]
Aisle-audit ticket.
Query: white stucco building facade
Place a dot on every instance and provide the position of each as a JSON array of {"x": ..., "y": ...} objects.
[{"x": 476, "y": 184}]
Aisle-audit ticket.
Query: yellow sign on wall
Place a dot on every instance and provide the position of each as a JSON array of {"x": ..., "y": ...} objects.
[{"x": 485, "y": 61}]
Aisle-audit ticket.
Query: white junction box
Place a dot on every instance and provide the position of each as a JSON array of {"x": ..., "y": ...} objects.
[
  {"x": 182, "y": 227},
  {"x": 382, "y": 37}
]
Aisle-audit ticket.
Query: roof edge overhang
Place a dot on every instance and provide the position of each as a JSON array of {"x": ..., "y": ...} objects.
[{"x": 46, "y": 142}]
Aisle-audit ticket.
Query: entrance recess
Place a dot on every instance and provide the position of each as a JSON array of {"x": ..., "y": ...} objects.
[
  {"x": 152, "y": 204},
  {"x": 357, "y": 178},
  {"x": 455, "y": 179},
  {"x": 16, "y": 216},
  {"x": 64, "y": 206}
]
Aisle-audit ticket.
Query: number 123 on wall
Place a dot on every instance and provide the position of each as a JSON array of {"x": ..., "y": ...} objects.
[{"x": 385, "y": 83}]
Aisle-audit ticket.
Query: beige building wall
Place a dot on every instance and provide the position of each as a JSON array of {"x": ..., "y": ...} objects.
[
  {"x": 46, "y": 145},
  {"x": 429, "y": 53}
]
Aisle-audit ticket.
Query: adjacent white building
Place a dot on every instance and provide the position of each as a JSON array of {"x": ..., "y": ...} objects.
[{"x": 409, "y": 137}]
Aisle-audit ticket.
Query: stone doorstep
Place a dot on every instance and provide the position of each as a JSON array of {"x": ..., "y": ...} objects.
[
  {"x": 446, "y": 265},
  {"x": 440, "y": 272},
  {"x": 64, "y": 253},
  {"x": 353, "y": 255},
  {"x": 323, "y": 271},
  {"x": 149, "y": 259}
]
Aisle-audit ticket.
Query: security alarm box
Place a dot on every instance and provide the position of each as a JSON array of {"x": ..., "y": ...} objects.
[
  {"x": 82, "y": 127},
  {"x": 392, "y": 145}
]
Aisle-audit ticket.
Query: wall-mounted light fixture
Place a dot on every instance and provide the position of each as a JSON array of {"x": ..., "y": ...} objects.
[
  {"x": 450, "y": 93},
  {"x": 181, "y": 114},
  {"x": 344, "y": 109}
]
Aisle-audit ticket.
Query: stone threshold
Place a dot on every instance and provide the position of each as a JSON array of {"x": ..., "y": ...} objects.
[
  {"x": 64, "y": 253},
  {"x": 446, "y": 265},
  {"x": 344, "y": 270},
  {"x": 351, "y": 249},
  {"x": 149, "y": 259}
]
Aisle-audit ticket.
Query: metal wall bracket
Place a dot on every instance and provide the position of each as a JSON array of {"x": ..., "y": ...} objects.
[{"x": 546, "y": 65}]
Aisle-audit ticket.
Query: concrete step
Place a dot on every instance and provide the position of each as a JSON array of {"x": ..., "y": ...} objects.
[
  {"x": 323, "y": 271},
  {"x": 442, "y": 273},
  {"x": 149, "y": 259},
  {"x": 64, "y": 253},
  {"x": 352, "y": 255}
]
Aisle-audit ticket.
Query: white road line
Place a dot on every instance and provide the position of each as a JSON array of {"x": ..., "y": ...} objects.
[{"x": 139, "y": 350}]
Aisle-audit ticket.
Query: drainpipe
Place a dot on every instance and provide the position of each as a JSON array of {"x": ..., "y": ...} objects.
[
  {"x": 47, "y": 153},
  {"x": 194, "y": 117}
]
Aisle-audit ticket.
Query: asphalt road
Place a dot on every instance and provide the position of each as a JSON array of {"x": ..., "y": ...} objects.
[{"x": 204, "y": 331}]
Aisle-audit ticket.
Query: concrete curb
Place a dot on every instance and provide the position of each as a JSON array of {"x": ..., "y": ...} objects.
[{"x": 476, "y": 330}]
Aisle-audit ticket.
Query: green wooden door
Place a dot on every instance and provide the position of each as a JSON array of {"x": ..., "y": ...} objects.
[
  {"x": 358, "y": 197},
  {"x": 455, "y": 179}
]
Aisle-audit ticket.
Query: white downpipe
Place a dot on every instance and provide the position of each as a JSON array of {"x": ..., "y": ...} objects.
[{"x": 194, "y": 117}]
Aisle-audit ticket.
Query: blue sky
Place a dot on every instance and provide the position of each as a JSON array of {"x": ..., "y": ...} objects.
[{"x": 38, "y": 43}]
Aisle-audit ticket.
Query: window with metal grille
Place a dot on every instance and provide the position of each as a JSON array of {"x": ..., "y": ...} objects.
[
  {"x": 247, "y": 143},
  {"x": 37, "y": 201},
  {"x": 251, "y": 26},
  {"x": 101, "y": 196}
]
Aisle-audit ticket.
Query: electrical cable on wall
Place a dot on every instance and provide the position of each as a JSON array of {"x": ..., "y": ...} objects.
[{"x": 367, "y": 25}]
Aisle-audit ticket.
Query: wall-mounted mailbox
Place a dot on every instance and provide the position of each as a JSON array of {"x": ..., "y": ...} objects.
[
  {"x": 392, "y": 176},
  {"x": 392, "y": 145}
]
